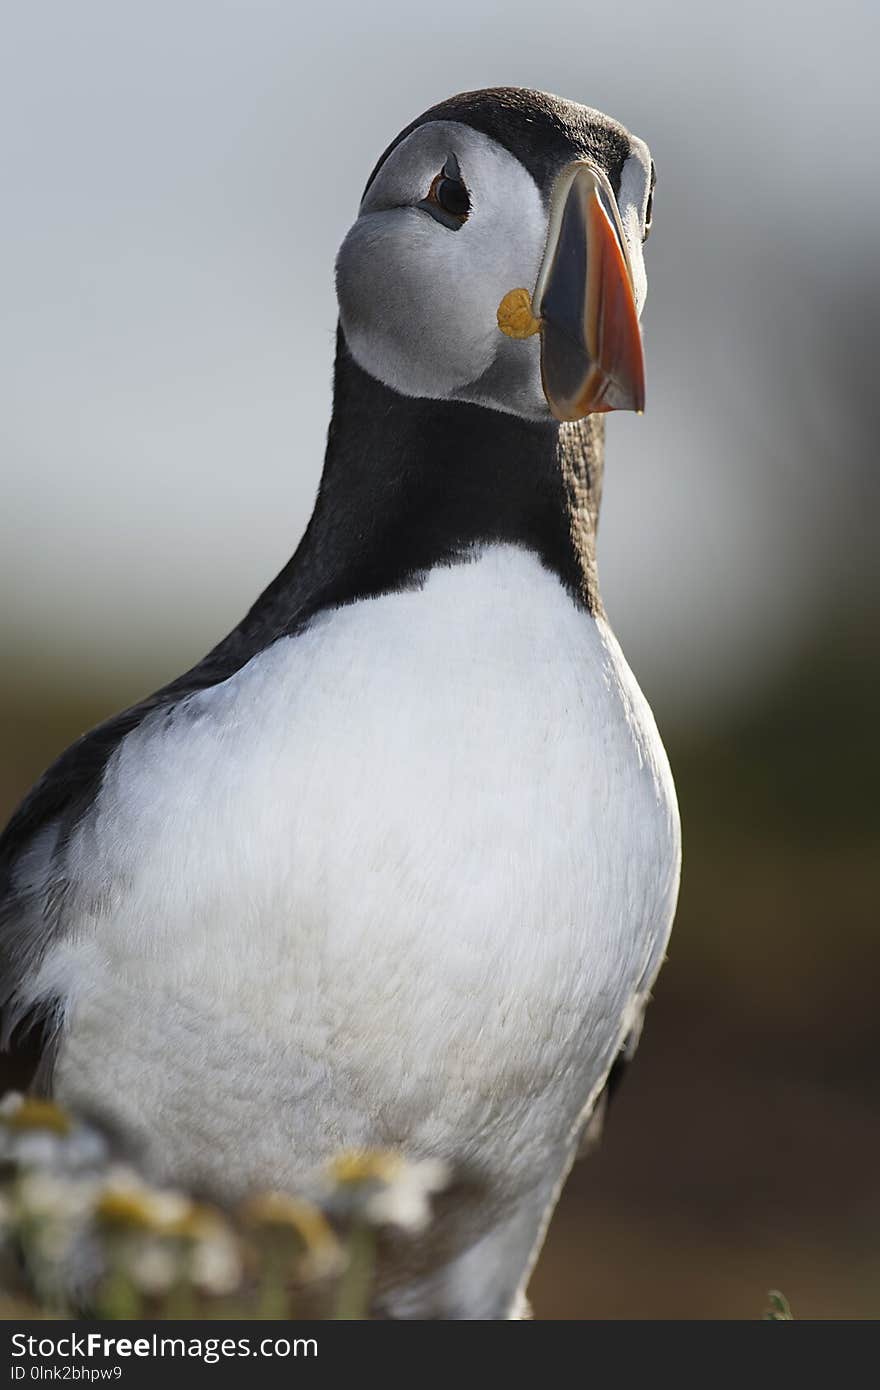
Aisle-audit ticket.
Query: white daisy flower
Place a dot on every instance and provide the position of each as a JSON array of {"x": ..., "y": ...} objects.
[
  {"x": 384, "y": 1188},
  {"x": 152, "y": 1266},
  {"x": 36, "y": 1133},
  {"x": 215, "y": 1264},
  {"x": 298, "y": 1227}
]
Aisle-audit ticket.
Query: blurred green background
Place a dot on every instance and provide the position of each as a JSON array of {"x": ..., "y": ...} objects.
[{"x": 176, "y": 182}]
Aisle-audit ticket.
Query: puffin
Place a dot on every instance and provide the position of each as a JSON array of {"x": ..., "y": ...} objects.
[{"x": 394, "y": 866}]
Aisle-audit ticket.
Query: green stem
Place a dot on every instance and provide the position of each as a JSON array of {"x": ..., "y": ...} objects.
[
  {"x": 353, "y": 1296},
  {"x": 118, "y": 1297},
  {"x": 180, "y": 1303},
  {"x": 272, "y": 1303}
]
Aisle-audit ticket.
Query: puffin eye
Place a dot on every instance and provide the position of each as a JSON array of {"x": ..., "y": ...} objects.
[
  {"x": 451, "y": 195},
  {"x": 448, "y": 200}
]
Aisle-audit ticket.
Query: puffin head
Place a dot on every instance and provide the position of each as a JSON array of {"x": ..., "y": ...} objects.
[{"x": 497, "y": 258}]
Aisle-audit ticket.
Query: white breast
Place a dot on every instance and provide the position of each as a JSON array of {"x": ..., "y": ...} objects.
[{"x": 402, "y": 879}]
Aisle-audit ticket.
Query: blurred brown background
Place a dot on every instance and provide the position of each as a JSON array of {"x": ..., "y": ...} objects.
[{"x": 176, "y": 182}]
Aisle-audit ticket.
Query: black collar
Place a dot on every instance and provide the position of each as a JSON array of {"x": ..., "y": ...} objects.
[{"x": 411, "y": 484}]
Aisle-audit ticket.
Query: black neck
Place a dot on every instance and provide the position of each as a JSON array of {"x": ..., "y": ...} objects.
[{"x": 410, "y": 484}]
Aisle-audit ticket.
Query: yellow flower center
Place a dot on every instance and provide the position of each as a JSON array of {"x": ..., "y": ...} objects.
[
  {"x": 277, "y": 1209},
  {"x": 39, "y": 1114},
  {"x": 367, "y": 1165}
]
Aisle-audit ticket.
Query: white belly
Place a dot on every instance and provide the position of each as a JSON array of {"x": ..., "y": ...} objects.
[{"x": 401, "y": 880}]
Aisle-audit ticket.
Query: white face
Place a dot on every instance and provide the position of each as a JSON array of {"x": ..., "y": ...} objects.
[{"x": 419, "y": 294}]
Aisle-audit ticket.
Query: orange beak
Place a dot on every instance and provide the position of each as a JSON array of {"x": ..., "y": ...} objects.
[{"x": 591, "y": 342}]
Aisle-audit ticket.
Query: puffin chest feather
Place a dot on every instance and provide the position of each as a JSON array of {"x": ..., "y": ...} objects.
[{"x": 429, "y": 846}]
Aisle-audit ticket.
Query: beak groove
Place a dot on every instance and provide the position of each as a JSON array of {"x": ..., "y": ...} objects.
[{"x": 591, "y": 343}]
